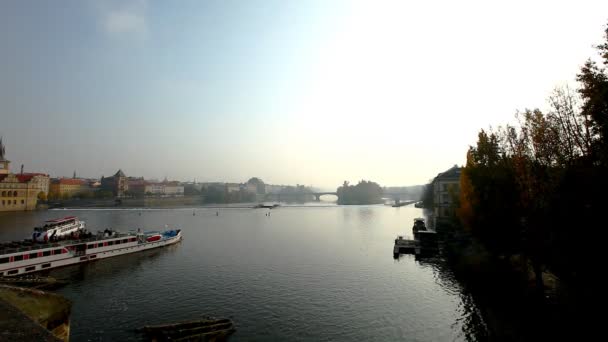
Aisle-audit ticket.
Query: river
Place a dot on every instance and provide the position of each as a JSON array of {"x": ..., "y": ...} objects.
[{"x": 305, "y": 273}]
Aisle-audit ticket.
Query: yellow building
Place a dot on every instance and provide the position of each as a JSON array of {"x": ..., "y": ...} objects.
[
  {"x": 16, "y": 195},
  {"x": 67, "y": 188},
  {"x": 19, "y": 192}
]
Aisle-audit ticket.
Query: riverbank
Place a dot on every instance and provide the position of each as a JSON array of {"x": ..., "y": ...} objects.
[
  {"x": 33, "y": 315},
  {"x": 146, "y": 202},
  {"x": 505, "y": 292}
]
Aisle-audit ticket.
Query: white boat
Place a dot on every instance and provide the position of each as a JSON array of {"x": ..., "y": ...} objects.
[
  {"x": 57, "y": 229},
  {"x": 17, "y": 258}
]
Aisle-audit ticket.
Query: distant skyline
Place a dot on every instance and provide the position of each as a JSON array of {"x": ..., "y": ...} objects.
[{"x": 292, "y": 92}]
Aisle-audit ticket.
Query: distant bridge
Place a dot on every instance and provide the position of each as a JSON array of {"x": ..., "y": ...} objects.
[
  {"x": 295, "y": 195},
  {"x": 319, "y": 194}
]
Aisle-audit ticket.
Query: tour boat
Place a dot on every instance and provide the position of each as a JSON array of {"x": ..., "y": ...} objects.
[
  {"x": 56, "y": 229},
  {"x": 29, "y": 256}
]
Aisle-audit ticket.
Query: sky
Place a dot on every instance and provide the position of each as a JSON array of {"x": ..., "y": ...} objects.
[{"x": 293, "y": 92}]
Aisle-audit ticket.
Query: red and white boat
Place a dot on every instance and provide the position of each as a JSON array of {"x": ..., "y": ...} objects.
[{"x": 27, "y": 256}]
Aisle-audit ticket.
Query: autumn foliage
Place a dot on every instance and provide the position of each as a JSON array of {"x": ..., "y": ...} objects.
[{"x": 527, "y": 185}]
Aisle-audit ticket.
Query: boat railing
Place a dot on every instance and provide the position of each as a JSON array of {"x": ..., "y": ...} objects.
[{"x": 24, "y": 246}]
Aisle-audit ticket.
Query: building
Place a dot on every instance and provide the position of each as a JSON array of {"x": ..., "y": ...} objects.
[
  {"x": 166, "y": 188},
  {"x": 39, "y": 181},
  {"x": 446, "y": 187},
  {"x": 233, "y": 187},
  {"x": 4, "y": 163},
  {"x": 64, "y": 188},
  {"x": 118, "y": 184},
  {"x": 19, "y": 192},
  {"x": 273, "y": 189},
  {"x": 137, "y": 186}
]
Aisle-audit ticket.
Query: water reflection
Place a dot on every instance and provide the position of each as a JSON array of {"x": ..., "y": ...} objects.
[
  {"x": 114, "y": 266},
  {"x": 470, "y": 320}
]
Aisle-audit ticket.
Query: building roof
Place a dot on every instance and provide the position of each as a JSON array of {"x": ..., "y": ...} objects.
[
  {"x": 451, "y": 173},
  {"x": 164, "y": 183},
  {"x": 119, "y": 173},
  {"x": 22, "y": 178},
  {"x": 69, "y": 181},
  {"x": 26, "y": 177}
]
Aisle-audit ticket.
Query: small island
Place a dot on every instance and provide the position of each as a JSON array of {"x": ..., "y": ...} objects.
[{"x": 365, "y": 192}]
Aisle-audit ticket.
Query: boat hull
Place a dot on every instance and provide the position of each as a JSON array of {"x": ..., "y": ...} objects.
[{"x": 73, "y": 257}]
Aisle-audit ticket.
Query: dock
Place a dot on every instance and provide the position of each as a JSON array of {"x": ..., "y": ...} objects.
[
  {"x": 398, "y": 203},
  {"x": 405, "y": 246},
  {"x": 424, "y": 243}
]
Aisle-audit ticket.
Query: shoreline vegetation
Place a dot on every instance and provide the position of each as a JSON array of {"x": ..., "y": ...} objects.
[{"x": 523, "y": 239}]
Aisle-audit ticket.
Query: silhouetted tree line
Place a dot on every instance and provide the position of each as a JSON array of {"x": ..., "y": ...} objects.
[
  {"x": 365, "y": 192},
  {"x": 538, "y": 189}
]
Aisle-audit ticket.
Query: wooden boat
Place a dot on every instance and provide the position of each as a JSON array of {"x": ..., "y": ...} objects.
[{"x": 208, "y": 329}]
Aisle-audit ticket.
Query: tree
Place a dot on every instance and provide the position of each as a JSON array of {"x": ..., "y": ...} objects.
[
  {"x": 594, "y": 92},
  {"x": 260, "y": 186},
  {"x": 365, "y": 192},
  {"x": 42, "y": 196}
]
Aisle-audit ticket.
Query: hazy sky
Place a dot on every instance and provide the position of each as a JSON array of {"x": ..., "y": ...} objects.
[{"x": 309, "y": 92}]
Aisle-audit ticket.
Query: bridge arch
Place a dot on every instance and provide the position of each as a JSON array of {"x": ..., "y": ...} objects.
[{"x": 319, "y": 194}]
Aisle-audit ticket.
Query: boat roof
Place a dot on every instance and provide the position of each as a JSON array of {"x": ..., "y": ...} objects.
[
  {"x": 26, "y": 245},
  {"x": 59, "y": 220},
  {"x": 419, "y": 219}
]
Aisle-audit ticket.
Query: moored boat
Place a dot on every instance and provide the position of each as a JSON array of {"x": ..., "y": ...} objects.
[
  {"x": 418, "y": 225},
  {"x": 17, "y": 258}
]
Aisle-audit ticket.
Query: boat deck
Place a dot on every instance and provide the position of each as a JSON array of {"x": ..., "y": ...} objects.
[{"x": 29, "y": 245}]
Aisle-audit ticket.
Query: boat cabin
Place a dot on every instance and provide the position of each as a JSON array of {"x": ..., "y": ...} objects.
[
  {"x": 50, "y": 224},
  {"x": 419, "y": 225}
]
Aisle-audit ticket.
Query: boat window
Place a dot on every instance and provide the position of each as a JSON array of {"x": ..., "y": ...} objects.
[
  {"x": 1, "y": 274},
  {"x": 57, "y": 251},
  {"x": 110, "y": 243},
  {"x": 91, "y": 246},
  {"x": 33, "y": 255},
  {"x": 3, "y": 260},
  {"x": 125, "y": 241},
  {"x": 31, "y": 268},
  {"x": 83, "y": 258},
  {"x": 93, "y": 257},
  {"x": 46, "y": 253},
  {"x": 13, "y": 272},
  {"x": 99, "y": 245},
  {"x": 46, "y": 265},
  {"x": 18, "y": 257},
  {"x": 117, "y": 242}
]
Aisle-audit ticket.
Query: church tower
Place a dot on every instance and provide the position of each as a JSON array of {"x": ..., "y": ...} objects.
[{"x": 4, "y": 164}]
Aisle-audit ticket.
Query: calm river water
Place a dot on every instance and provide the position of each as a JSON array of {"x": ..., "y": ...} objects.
[{"x": 314, "y": 273}]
